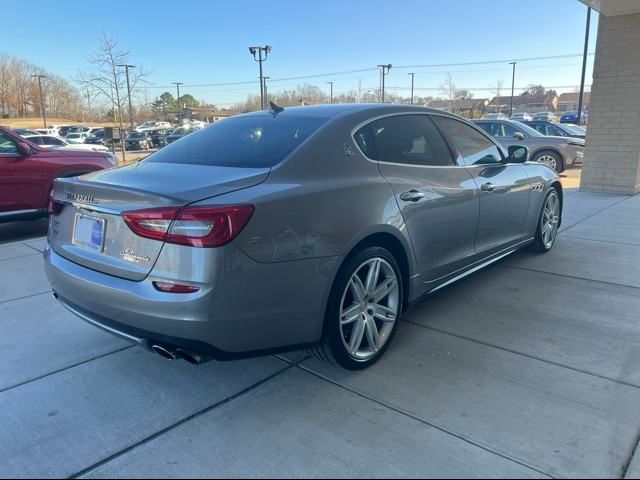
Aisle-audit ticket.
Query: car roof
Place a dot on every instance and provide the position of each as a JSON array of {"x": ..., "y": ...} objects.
[{"x": 334, "y": 110}]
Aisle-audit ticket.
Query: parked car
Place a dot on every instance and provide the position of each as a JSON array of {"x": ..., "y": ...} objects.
[
  {"x": 79, "y": 129},
  {"x": 495, "y": 116},
  {"x": 138, "y": 141},
  {"x": 556, "y": 129},
  {"x": 556, "y": 152},
  {"x": 63, "y": 130},
  {"x": 96, "y": 138},
  {"x": 76, "y": 137},
  {"x": 158, "y": 137},
  {"x": 545, "y": 116},
  {"x": 50, "y": 141},
  {"x": 309, "y": 226},
  {"x": 153, "y": 125},
  {"x": 180, "y": 132},
  {"x": 25, "y": 131},
  {"x": 572, "y": 117},
  {"x": 27, "y": 172},
  {"x": 521, "y": 117}
]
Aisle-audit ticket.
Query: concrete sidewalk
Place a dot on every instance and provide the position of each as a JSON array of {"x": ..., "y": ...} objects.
[{"x": 530, "y": 368}]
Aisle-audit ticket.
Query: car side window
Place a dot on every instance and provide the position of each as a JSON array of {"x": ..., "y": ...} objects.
[
  {"x": 405, "y": 139},
  {"x": 7, "y": 144},
  {"x": 474, "y": 148}
]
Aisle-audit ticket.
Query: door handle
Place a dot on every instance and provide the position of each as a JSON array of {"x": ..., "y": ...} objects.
[
  {"x": 488, "y": 187},
  {"x": 412, "y": 196}
]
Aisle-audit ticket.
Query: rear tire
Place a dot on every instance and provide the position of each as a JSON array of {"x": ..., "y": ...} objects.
[
  {"x": 548, "y": 223},
  {"x": 363, "y": 310},
  {"x": 551, "y": 159}
]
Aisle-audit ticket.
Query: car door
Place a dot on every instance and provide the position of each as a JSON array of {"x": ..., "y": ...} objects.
[
  {"x": 503, "y": 188},
  {"x": 438, "y": 199},
  {"x": 10, "y": 192}
]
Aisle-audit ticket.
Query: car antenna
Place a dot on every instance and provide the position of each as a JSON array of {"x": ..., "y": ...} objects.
[{"x": 275, "y": 108}]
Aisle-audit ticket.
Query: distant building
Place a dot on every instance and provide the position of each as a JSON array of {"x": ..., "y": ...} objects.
[
  {"x": 524, "y": 103},
  {"x": 569, "y": 101},
  {"x": 465, "y": 107}
]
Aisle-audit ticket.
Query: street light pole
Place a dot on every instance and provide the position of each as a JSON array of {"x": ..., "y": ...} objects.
[
  {"x": 44, "y": 116},
  {"x": 89, "y": 105},
  {"x": 127, "y": 67},
  {"x": 584, "y": 66},
  {"x": 331, "y": 97},
  {"x": 177, "y": 84},
  {"x": 513, "y": 86},
  {"x": 384, "y": 71},
  {"x": 413, "y": 75},
  {"x": 258, "y": 56},
  {"x": 266, "y": 94}
]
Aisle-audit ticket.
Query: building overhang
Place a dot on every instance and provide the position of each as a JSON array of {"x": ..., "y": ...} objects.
[{"x": 612, "y": 8}]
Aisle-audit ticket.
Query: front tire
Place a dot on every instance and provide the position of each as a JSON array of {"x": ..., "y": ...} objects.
[
  {"x": 363, "y": 310},
  {"x": 548, "y": 223}
]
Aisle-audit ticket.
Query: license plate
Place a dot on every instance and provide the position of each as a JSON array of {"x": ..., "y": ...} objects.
[{"x": 89, "y": 232}]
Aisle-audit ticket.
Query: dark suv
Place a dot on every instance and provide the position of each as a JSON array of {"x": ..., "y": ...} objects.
[{"x": 27, "y": 172}]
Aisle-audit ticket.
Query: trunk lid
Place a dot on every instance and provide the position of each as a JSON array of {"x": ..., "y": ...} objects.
[{"x": 102, "y": 197}]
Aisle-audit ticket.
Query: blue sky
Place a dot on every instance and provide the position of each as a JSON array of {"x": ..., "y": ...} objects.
[{"x": 205, "y": 42}]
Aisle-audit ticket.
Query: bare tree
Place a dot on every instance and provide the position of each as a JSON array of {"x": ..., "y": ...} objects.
[
  {"x": 106, "y": 80},
  {"x": 448, "y": 90},
  {"x": 497, "y": 87}
]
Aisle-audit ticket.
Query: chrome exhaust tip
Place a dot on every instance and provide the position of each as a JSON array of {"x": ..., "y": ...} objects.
[
  {"x": 191, "y": 357},
  {"x": 163, "y": 352}
]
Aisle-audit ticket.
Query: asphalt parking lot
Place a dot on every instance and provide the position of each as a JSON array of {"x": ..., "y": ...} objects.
[{"x": 529, "y": 369}]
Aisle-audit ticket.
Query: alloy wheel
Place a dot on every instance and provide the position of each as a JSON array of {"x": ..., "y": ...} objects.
[
  {"x": 369, "y": 308},
  {"x": 549, "y": 160},
  {"x": 550, "y": 220}
]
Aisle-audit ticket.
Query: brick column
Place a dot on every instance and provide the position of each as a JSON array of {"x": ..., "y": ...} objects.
[{"x": 612, "y": 156}]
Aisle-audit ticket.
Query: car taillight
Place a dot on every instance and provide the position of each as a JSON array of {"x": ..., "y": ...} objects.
[
  {"x": 54, "y": 208},
  {"x": 192, "y": 226},
  {"x": 168, "y": 287}
]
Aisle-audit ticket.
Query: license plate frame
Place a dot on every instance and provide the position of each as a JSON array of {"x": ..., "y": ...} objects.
[{"x": 88, "y": 232}]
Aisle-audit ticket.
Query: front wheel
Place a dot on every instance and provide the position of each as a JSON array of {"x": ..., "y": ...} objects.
[
  {"x": 548, "y": 223},
  {"x": 363, "y": 310}
]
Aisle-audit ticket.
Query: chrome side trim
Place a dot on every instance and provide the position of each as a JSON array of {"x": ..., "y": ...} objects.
[
  {"x": 487, "y": 260},
  {"x": 473, "y": 270},
  {"x": 93, "y": 322},
  {"x": 92, "y": 208},
  {"x": 18, "y": 212}
]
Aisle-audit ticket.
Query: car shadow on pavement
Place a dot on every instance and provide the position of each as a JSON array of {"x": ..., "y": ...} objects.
[{"x": 19, "y": 231}]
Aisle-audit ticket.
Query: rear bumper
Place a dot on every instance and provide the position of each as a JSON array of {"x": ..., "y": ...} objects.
[{"x": 239, "y": 315}]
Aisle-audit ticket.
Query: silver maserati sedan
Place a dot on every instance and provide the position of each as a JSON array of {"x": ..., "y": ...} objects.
[{"x": 308, "y": 227}]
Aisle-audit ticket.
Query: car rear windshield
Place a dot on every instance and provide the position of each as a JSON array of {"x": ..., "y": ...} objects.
[{"x": 247, "y": 142}]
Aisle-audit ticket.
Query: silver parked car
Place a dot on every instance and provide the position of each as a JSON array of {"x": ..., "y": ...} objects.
[
  {"x": 556, "y": 152},
  {"x": 309, "y": 227}
]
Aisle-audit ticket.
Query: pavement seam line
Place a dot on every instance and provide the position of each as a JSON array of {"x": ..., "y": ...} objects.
[
  {"x": 181, "y": 422},
  {"x": 634, "y": 451},
  {"x": 601, "y": 241},
  {"x": 424, "y": 422},
  {"x": 595, "y": 213},
  {"x": 574, "y": 277},
  {"x": 29, "y": 255},
  {"x": 60, "y": 370},
  {"x": 19, "y": 242},
  {"x": 8, "y": 300},
  {"x": 33, "y": 248},
  {"x": 526, "y": 355}
]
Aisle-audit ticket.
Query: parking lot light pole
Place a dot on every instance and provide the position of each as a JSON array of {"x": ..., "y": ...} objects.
[
  {"x": 266, "y": 94},
  {"x": 584, "y": 66},
  {"x": 127, "y": 67},
  {"x": 44, "y": 116},
  {"x": 331, "y": 95},
  {"x": 260, "y": 55},
  {"x": 384, "y": 71},
  {"x": 177, "y": 84},
  {"x": 413, "y": 76},
  {"x": 513, "y": 86}
]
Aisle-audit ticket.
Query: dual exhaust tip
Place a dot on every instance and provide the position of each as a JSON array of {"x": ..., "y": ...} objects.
[{"x": 190, "y": 357}]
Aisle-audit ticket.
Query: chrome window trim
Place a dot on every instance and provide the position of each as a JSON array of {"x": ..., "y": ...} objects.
[{"x": 435, "y": 114}]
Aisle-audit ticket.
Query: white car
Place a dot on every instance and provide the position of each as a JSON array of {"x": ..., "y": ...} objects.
[
  {"x": 521, "y": 117},
  {"x": 495, "y": 116},
  {"x": 152, "y": 125},
  {"x": 51, "y": 141},
  {"x": 76, "y": 137}
]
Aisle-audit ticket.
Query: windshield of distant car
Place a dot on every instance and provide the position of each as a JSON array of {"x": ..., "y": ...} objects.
[
  {"x": 573, "y": 128},
  {"x": 137, "y": 135},
  {"x": 571, "y": 113},
  {"x": 249, "y": 142},
  {"x": 527, "y": 129}
]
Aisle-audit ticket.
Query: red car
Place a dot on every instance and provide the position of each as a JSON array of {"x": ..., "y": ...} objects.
[{"x": 27, "y": 172}]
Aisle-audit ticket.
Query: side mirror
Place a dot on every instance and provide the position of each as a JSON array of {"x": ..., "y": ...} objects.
[
  {"x": 518, "y": 154},
  {"x": 518, "y": 136},
  {"x": 24, "y": 149}
]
